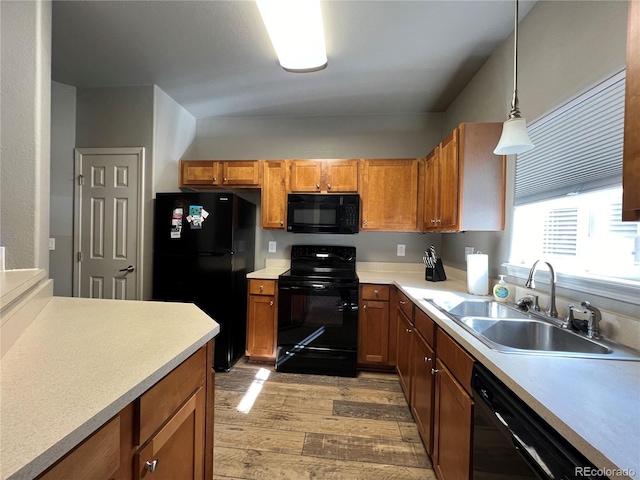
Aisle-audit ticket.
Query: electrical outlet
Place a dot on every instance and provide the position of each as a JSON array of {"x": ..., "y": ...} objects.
[
  {"x": 468, "y": 251},
  {"x": 272, "y": 247},
  {"x": 52, "y": 244},
  {"x": 400, "y": 250}
]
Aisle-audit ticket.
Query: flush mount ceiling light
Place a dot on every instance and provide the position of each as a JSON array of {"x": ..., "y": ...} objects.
[
  {"x": 515, "y": 138},
  {"x": 296, "y": 32}
]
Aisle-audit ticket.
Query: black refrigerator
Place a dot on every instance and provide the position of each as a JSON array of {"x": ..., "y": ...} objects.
[{"x": 204, "y": 247}]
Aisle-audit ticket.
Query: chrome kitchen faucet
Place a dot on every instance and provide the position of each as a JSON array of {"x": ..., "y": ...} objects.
[{"x": 551, "y": 306}]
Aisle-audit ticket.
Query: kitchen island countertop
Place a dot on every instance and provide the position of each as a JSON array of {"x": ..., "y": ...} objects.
[{"x": 79, "y": 363}]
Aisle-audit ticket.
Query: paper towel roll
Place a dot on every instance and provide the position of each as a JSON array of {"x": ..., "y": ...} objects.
[{"x": 478, "y": 274}]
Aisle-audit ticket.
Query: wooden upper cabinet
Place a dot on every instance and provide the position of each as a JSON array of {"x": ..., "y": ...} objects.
[
  {"x": 389, "y": 194},
  {"x": 198, "y": 172},
  {"x": 324, "y": 175},
  {"x": 465, "y": 182},
  {"x": 274, "y": 194},
  {"x": 631, "y": 158},
  {"x": 219, "y": 173}
]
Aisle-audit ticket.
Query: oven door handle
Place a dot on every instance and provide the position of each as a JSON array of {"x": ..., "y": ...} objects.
[{"x": 315, "y": 286}]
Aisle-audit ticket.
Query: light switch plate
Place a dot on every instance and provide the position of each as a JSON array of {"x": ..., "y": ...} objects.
[
  {"x": 400, "y": 250},
  {"x": 272, "y": 247}
]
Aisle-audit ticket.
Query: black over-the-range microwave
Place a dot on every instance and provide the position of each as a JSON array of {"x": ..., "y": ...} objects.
[{"x": 323, "y": 213}]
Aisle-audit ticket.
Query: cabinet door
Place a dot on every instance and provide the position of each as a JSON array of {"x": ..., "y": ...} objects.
[
  {"x": 262, "y": 327},
  {"x": 306, "y": 175},
  {"x": 274, "y": 194},
  {"x": 453, "y": 424},
  {"x": 341, "y": 175},
  {"x": 389, "y": 192},
  {"x": 403, "y": 366},
  {"x": 241, "y": 173},
  {"x": 423, "y": 389},
  {"x": 432, "y": 190},
  {"x": 374, "y": 332},
  {"x": 177, "y": 450},
  {"x": 449, "y": 176},
  {"x": 631, "y": 159},
  {"x": 199, "y": 172}
]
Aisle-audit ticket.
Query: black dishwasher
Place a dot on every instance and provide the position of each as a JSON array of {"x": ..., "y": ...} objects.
[{"x": 511, "y": 441}]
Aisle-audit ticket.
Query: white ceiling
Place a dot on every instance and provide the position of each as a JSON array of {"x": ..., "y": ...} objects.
[{"x": 215, "y": 58}]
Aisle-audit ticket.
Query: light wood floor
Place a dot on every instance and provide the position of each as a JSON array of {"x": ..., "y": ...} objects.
[{"x": 310, "y": 426}]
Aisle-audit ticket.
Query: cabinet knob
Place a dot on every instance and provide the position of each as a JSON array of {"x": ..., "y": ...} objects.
[
  {"x": 317, "y": 185},
  {"x": 408, "y": 330},
  {"x": 271, "y": 303},
  {"x": 224, "y": 179},
  {"x": 281, "y": 223},
  {"x": 434, "y": 371},
  {"x": 364, "y": 224},
  {"x": 376, "y": 292},
  {"x": 427, "y": 359},
  {"x": 261, "y": 287},
  {"x": 329, "y": 186},
  {"x": 364, "y": 306},
  {"x": 402, "y": 302},
  {"x": 215, "y": 179},
  {"x": 151, "y": 466}
]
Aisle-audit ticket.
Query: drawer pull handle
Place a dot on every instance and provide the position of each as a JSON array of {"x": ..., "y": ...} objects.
[
  {"x": 271, "y": 303},
  {"x": 261, "y": 287},
  {"x": 151, "y": 466},
  {"x": 434, "y": 371}
]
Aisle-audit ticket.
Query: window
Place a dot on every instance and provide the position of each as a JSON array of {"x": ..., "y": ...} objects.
[{"x": 568, "y": 193}]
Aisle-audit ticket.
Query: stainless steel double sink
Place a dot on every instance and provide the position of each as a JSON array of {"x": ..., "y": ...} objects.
[{"x": 506, "y": 329}]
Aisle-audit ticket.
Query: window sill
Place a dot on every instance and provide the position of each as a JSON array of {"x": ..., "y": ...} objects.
[{"x": 622, "y": 291}]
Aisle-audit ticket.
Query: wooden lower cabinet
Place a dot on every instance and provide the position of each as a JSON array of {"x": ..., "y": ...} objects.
[
  {"x": 453, "y": 427},
  {"x": 374, "y": 327},
  {"x": 403, "y": 365},
  {"x": 262, "y": 320},
  {"x": 167, "y": 433},
  {"x": 176, "y": 450},
  {"x": 423, "y": 388}
]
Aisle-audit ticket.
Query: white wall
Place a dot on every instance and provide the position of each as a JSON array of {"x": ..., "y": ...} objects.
[
  {"x": 174, "y": 134},
  {"x": 63, "y": 142},
  {"x": 122, "y": 117},
  {"x": 25, "y": 50},
  {"x": 361, "y": 136}
]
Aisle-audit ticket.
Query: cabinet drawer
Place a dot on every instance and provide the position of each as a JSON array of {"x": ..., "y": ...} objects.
[
  {"x": 164, "y": 398},
  {"x": 262, "y": 287},
  {"x": 103, "y": 448},
  {"x": 375, "y": 292},
  {"x": 405, "y": 305},
  {"x": 425, "y": 326},
  {"x": 457, "y": 360}
]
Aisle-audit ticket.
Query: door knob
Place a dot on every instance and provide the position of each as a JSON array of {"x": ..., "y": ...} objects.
[{"x": 129, "y": 269}]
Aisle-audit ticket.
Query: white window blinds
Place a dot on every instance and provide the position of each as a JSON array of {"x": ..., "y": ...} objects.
[{"x": 577, "y": 148}]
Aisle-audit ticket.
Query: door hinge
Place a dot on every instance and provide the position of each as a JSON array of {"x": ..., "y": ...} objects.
[
  {"x": 80, "y": 179},
  {"x": 79, "y": 256}
]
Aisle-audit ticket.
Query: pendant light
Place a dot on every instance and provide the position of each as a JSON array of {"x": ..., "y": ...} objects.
[{"x": 515, "y": 138}]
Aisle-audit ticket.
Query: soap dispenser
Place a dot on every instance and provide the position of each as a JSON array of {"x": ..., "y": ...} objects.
[{"x": 501, "y": 290}]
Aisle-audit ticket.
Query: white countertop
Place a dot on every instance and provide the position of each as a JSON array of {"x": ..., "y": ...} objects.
[
  {"x": 78, "y": 364},
  {"x": 594, "y": 404}
]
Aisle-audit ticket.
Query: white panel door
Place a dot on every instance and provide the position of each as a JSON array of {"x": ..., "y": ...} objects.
[{"x": 108, "y": 219}]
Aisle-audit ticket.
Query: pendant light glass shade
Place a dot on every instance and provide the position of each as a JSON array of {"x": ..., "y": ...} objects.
[
  {"x": 515, "y": 138},
  {"x": 296, "y": 32}
]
